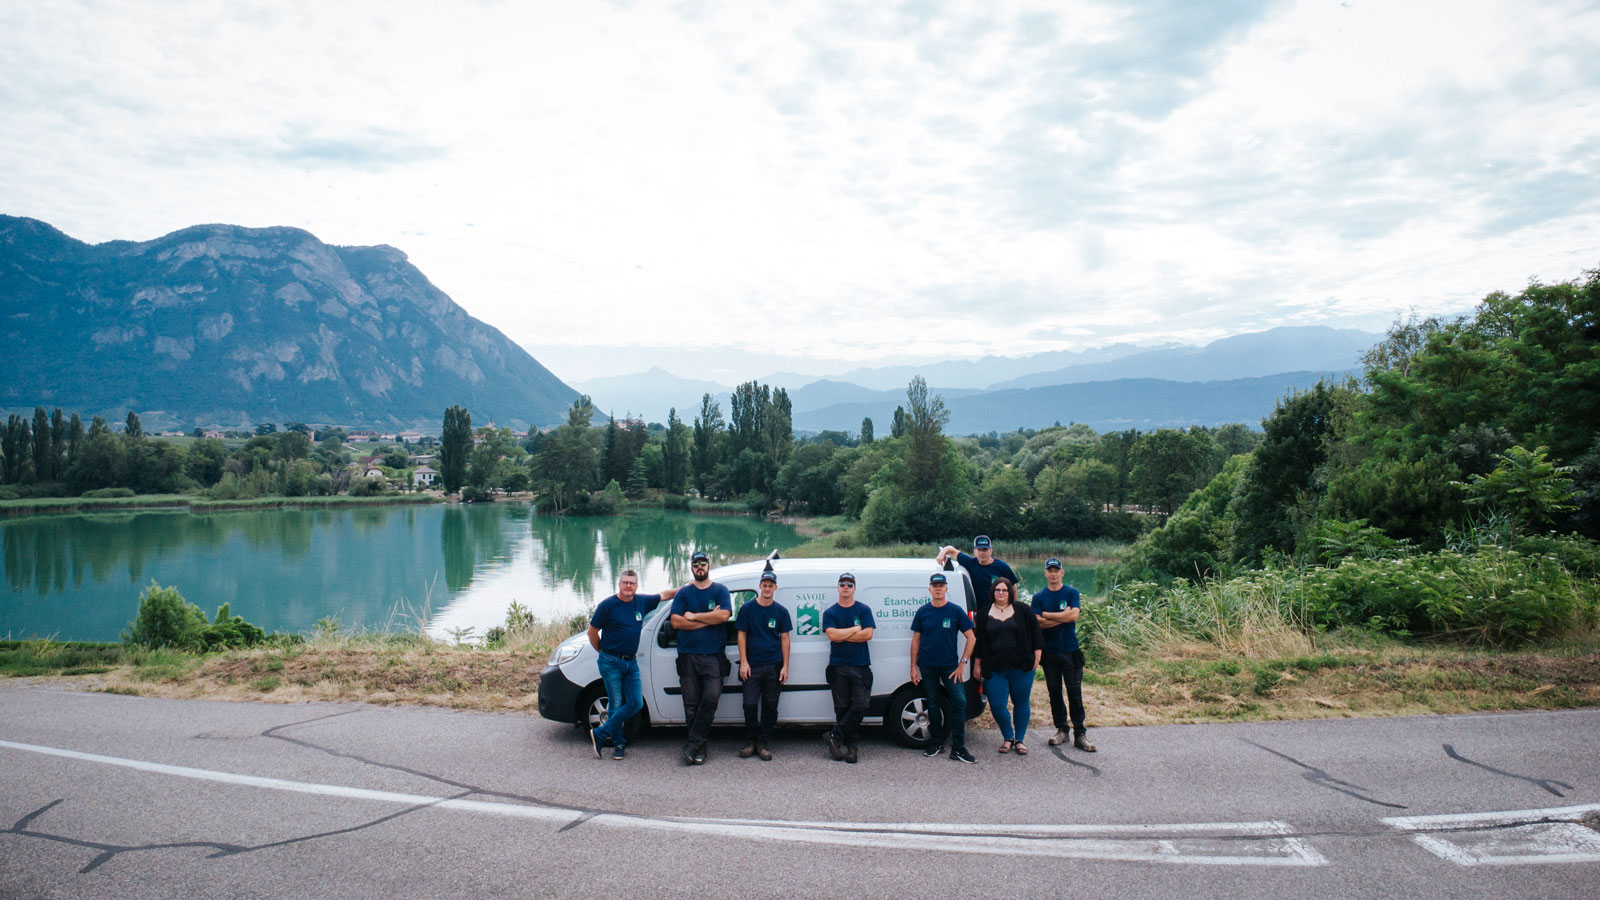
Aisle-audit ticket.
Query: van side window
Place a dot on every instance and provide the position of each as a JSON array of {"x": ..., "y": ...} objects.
[{"x": 667, "y": 637}]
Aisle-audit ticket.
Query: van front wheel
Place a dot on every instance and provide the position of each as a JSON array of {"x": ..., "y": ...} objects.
[
  {"x": 594, "y": 707},
  {"x": 906, "y": 717}
]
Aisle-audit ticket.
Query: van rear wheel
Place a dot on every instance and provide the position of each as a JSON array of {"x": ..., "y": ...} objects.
[{"x": 906, "y": 717}]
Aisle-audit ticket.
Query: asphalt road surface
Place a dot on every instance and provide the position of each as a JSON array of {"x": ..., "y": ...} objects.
[{"x": 128, "y": 797}]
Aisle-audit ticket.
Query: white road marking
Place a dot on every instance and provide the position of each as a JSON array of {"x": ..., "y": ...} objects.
[
  {"x": 1509, "y": 838},
  {"x": 1210, "y": 843}
]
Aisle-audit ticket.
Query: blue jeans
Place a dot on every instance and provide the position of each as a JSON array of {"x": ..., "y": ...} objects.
[
  {"x": 1017, "y": 684},
  {"x": 938, "y": 687},
  {"x": 626, "y": 697}
]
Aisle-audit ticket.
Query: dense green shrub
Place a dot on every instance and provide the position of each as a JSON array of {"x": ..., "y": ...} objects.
[
  {"x": 165, "y": 619},
  {"x": 108, "y": 493}
]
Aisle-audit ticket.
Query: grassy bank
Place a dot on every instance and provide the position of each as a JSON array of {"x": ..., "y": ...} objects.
[{"x": 63, "y": 505}]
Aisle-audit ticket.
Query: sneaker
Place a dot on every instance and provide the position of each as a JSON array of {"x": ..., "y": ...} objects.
[
  {"x": 688, "y": 756},
  {"x": 748, "y": 751},
  {"x": 1082, "y": 743},
  {"x": 851, "y": 756},
  {"x": 764, "y": 753},
  {"x": 1060, "y": 737},
  {"x": 595, "y": 742},
  {"x": 700, "y": 757},
  {"x": 616, "y": 752},
  {"x": 933, "y": 750},
  {"x": 835, "y": 749},
  {"x": 960, "y": 754}
]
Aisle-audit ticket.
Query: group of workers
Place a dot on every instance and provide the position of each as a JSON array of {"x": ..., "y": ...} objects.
[{"x": 1004, "y": 640}]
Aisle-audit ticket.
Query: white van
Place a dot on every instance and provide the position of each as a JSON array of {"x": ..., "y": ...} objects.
[{"x": 570, "y": 689}]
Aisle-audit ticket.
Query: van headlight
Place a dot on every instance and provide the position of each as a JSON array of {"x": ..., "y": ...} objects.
[{"x": 567, "y": 651}]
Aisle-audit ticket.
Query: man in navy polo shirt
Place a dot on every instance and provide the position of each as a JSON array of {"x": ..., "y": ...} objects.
[
  {"x": 984, "y": 569},
  {"x": 698, "y": 612},
  {"x": 1057, "y": 608},
  {"x": 614, "y": 634},
  {"x": 848, "y": 625},
  {"x": 764, "y": 628},
  {"x": 935, "y": 666}
]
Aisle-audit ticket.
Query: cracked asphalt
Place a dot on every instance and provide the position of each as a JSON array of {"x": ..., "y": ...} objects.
[{"x": 127, "y": 797}]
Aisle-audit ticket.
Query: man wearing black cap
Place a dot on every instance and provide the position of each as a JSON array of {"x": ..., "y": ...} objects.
[
  {"x": 848, "y": 625},
  {"x": 764, "y": 628},
  {"x": 935, "y": 666},
  {"x": 983, "y": 568},
  {"x": 1057, "y": 608},
  {"x": 698, "y": 612}
]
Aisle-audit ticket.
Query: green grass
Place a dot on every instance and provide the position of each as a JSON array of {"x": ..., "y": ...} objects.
[{"x": 20, "y": 659}]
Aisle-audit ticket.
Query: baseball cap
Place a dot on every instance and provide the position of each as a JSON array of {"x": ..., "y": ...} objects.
[
  {"x": 1052, "y": 563},
  {"x": 847, "y": 577},
  {"x": 699, "y": 556},
  {"x": 981, "y": 542},
  {"x": 938, "y": 578},
  {"x": 770, "y": 575}
]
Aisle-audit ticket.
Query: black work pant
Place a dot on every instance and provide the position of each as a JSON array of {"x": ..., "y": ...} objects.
[
  {"x": 1059, "y": 669},
  {"x": 852, "y": 693},
  {"x": 700, "y": 675},
  {"x": 761, "y": 702}
]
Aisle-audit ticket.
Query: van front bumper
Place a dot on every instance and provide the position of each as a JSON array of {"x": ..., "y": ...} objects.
[{"x": 558, "y": 696}]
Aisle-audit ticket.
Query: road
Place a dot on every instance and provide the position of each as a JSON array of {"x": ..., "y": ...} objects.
[{"x": 128, "y": 797}]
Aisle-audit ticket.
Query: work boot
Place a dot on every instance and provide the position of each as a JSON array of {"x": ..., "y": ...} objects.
[
  {"x": 835, "y": 749},
  {"x": 748, "y": 751},
  {"x": 851, "y": 755},
  {"x": 1082, "y": 743},
  {"x": 764, "y": 753},
  {"x": 1060, "y": 737}
]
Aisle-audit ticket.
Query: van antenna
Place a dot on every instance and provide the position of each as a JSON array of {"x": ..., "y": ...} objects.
[{"x": 770, "y": 557}]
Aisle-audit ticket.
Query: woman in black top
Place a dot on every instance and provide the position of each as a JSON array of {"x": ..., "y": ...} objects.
[{"x": 1009, "y": 645}]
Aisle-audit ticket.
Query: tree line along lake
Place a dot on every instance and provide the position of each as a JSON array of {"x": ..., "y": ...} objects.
[{"x": 437, "y": 568}]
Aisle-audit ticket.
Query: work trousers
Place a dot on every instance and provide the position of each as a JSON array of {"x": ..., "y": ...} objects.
[
  {"x": 1059, "y": 669},
  {"x": 700, "y": 675},
  {"x": 761, "y": 692},
  {"x": 852, "y": 694}
]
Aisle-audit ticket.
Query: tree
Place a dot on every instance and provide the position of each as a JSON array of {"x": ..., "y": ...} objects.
[
  {"x": 294, "y": 444},
  {"x": 75, "y": 437},
  {"x": 59, "y": 437},
  {"x": 925, "y": 440},
  {"x": 568, "y": 461},
  {"x": 455, "y": 445},
  {"x": 1526, "y": 486},
  {"x": 675, "y": 454},
  {"x": 44, "y": 452},
  {"x": 898, "y": 427},
  {"x": 1294, "y": 444},
  {"x": 1091, "y": 480},
  {"x": 1167, "y": 465},
  {"x": 266, "y": 428},
  {"x": 866, "y": 430},
  {"x": 17, "y": 447},
  {"x": 706, "y": 428}
]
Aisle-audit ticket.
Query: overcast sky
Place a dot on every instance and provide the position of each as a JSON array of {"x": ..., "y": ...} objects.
[{"x": 834, "y": 185}]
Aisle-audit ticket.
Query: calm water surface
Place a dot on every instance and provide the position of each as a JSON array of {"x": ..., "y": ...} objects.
[{"x": 441, "y": 568}]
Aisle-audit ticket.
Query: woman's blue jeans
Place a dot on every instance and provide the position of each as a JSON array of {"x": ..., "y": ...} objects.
[{"x": 1017, "y": 685}]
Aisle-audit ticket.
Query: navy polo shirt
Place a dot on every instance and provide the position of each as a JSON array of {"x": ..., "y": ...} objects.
[
  {"x": 619, "y": 622},
  {"x": 762, "y": 627},
  {"x": 848, "y": 653},
  {"x": 690, "y": 598},
  {"x": 1062, "y": 638},
  {"x": 983, "y": 577},
  {"x": 941, "y": 628}
]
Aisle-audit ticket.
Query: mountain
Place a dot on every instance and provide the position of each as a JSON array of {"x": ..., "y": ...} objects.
[
  {"x": 219, "y": 324},
  {"x": 651, "y": 393},
  {"x": 1142, "y": 403},
  {"x": 981, "y": 373},
  {"x": 1307, "y": 348}
]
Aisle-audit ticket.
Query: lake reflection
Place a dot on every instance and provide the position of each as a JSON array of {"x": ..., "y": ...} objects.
[{"x": 387, "y": 568}]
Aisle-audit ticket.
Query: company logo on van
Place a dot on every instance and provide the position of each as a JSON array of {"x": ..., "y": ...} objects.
[{"x": 808, "y": 619}]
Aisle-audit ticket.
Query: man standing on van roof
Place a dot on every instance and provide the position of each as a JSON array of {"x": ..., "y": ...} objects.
[
  {"x": 849, "y": 625},
  {"x": 983, "y": 568},
  {"x": 1057, "y": 608},
  {"x": 764, "y": 628},
  {"x": 698, "y": 611},
  {"x": 614, "y": 634},
  {"x": 935, "y": 666}
]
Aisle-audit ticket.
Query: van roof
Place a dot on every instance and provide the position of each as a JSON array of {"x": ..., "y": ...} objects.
[{"x": 832, "y": 566}]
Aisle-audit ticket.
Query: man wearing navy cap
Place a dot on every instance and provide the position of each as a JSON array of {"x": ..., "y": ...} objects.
[
  {"x": 698, "y": 613},
  {"x": 935, "y": 666},
  {"x": 983, "y": 567},
  {"x": 849, "y": 626},
  {"x": 764, "y": 628},
  {"x": 614, "y": 634},
  {"x": 1057, "y": 608}
]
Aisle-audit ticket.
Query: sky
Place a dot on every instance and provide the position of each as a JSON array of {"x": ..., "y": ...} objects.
[{"x": 731, "y": 189}]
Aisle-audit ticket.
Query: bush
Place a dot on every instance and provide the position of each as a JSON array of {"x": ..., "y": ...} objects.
[
  {"x": 108, "y": 493},
  {"x": 165, "y": 619},
  {"x": 675, "y": 501}
]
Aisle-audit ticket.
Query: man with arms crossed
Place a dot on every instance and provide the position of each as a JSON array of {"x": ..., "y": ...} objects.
[
  {"x": 935, "y": 666},
  {"x": 849, "y": 625},
  {"x": 1057, "y": 608},
  {"x": 698, "y": 611},
  {"x": 764, "y": 628},
  {"x": 614, "y": 634},
  {"x": 983, "y": 568}
]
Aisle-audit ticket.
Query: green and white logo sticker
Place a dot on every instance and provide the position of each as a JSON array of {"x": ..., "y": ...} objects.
[{"x": 809, "y": 620}]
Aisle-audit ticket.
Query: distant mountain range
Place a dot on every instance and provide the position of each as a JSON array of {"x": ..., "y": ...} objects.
[
  {"x": 224, "y": 325},
  {"x": 1235, "y": 379}
]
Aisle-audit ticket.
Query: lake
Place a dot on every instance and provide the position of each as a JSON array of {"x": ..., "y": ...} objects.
[{"x": 439, "y": 568}]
